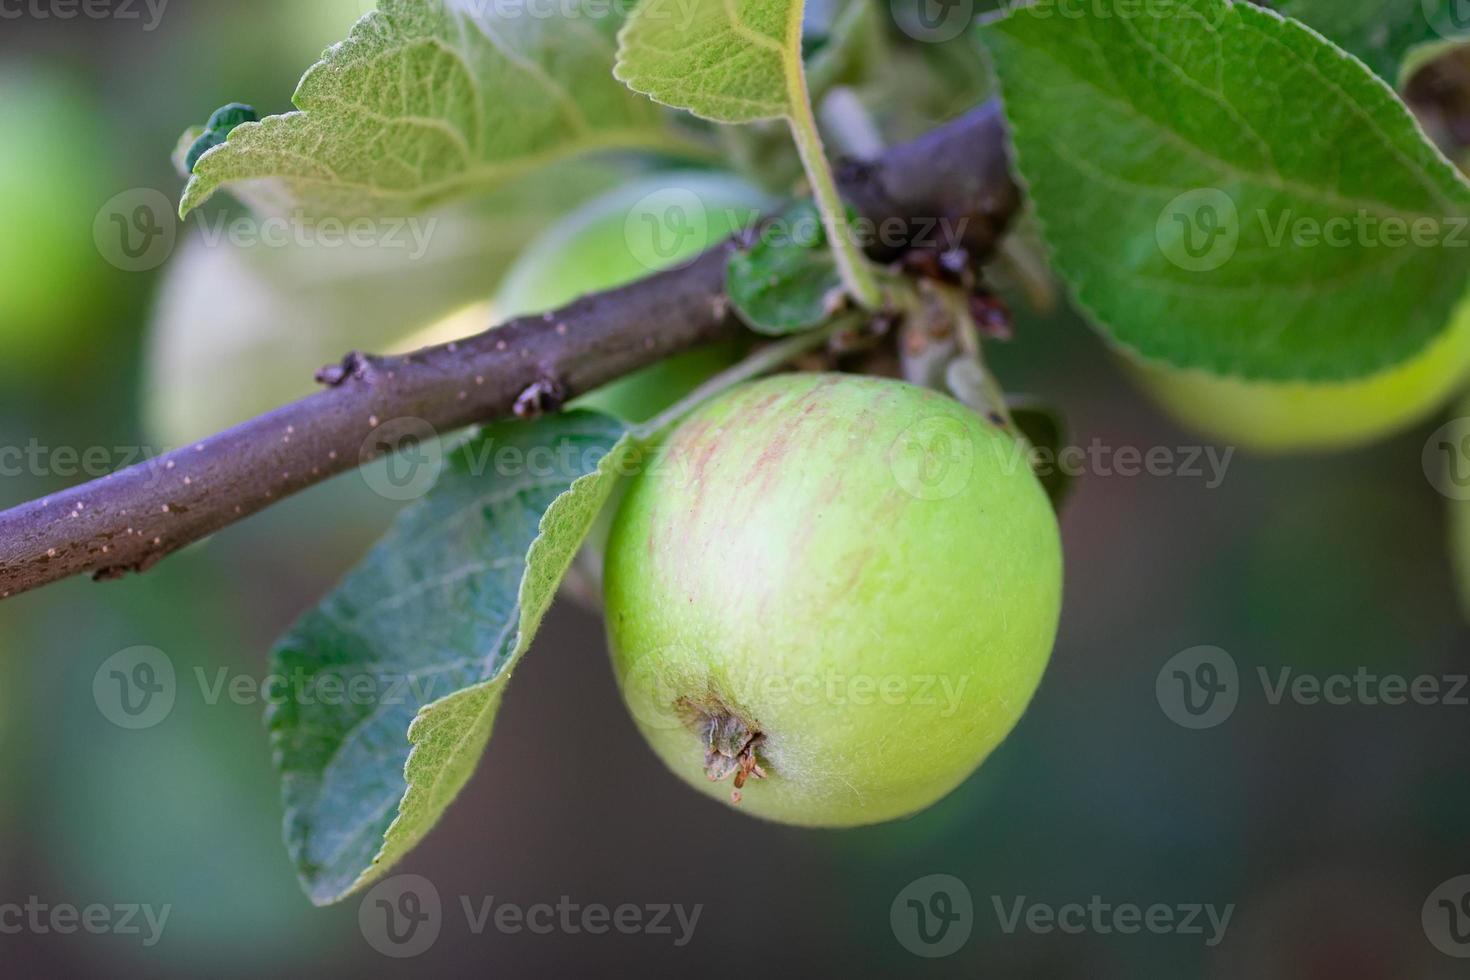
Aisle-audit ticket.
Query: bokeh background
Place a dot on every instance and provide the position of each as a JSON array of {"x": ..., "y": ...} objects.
[{"x": 1324, "y": 828}]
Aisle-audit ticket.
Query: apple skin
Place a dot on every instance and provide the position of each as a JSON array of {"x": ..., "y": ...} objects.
[
  {"x": 778, "y": 569},
  {"x": 608, "y": 243},
  {"x": 1284, "y": 417}
]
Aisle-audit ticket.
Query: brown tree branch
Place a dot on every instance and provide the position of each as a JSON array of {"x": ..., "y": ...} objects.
[{"x": 953, "y": 181}]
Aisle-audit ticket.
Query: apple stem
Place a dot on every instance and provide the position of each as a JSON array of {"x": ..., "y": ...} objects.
[
  {"x": 858, "y": 275},
  {"x": 991, "y": 395}
]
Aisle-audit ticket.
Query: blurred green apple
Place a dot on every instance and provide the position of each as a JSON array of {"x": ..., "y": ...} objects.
[
  {"x": 241, "y": 323},
  {"x": 1301, "y": 416},
  {"x": 627, "y": 234},
  {"x": 840, "y": 590}
]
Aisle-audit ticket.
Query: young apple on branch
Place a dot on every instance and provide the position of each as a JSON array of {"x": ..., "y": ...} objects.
[{"x": 836, "y": 590}]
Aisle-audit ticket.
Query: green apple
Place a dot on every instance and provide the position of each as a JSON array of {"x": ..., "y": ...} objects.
[
  {"x": 840, "y": 591},
  {"x": 628, "y": 234},
  {"x": 1297, "y": 416}
]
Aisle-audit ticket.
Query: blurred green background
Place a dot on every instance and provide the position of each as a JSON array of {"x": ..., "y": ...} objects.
[{"x": 1326, "y": 827}]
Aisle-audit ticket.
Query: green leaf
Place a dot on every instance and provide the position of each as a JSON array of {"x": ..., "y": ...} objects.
[
  {"x": 728, "y": 60},
  {"x": 787, "y": 281},
  {"x": 739, "y": 61},
  {"x": 1174, "y": 162},
  {"x": 1384, "y": 33},
  {"x": 430, "y": 100},
  {"x": 843, "y": 44},
  {"x": 430, "y": 625}
]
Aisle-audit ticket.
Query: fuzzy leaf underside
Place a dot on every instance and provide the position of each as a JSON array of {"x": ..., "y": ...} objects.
[
  {"x": 1165, "y": 154},
  {"x": 430, "y": 100},
  {"x": 731, "y": 61},
  {"x": 429, "y": 626}
]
